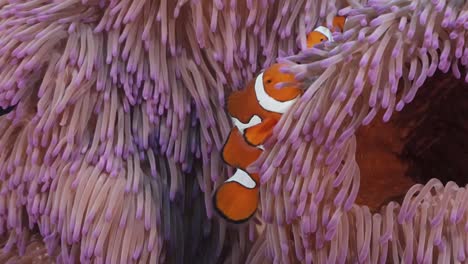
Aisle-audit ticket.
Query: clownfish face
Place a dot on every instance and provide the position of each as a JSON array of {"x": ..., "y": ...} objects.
[
  {"x": 315, "y": 38},
  {"x": 319, "y": 35},
  {"x": 323, "y": 33},
  {"x": 276, "y": 100},
  {"x": 273, "y": 76}
]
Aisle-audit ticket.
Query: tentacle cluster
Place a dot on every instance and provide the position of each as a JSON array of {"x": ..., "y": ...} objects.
[
  {"x": 119, "y": 119},
  {"x": 387, "y": 51},
  {"x": 112, "y": 150}
]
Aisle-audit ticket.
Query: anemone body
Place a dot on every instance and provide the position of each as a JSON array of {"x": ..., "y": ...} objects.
[{"x": 111, "y": 153}]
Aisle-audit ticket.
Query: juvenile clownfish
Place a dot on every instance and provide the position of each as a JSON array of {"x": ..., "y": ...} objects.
[
  {"x": 322, "y": 33},
  {"x": 254, "y": 112}
]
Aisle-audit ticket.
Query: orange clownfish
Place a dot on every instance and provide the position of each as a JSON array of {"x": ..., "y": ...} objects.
[
  {"x": 322, "y": 33},
  {"x": 254, "y": 112}
]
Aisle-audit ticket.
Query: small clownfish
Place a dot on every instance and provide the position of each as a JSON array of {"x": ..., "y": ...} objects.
[
  {"x": 254, "y": 111},
  {"x": 322, "y": 33}
]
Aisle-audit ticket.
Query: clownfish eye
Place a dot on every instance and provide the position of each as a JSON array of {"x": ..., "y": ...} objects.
[
  {"x": 268, "y": 81},
  {"x": 322, "y": 40}
]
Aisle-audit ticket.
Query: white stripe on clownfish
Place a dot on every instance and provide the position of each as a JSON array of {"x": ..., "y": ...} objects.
[
  {"x": 267, "y": 102},
  {"x": 325, "y": 31},
  {"x": 243, "y": 178},
  {"x": 254, "y": 120}
]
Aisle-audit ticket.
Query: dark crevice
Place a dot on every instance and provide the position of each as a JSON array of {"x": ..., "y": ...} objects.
[
  {"x": 6, "y": 110},
  {"x": 427, "y": 139},
  {"x": 436, "y": 145}
]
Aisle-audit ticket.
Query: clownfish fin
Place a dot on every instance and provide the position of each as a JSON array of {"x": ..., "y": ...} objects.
[
  {"x": 237, "y": 152},
  {"x": 236, "y": 199},
  {"x": 257, "y": 134}
]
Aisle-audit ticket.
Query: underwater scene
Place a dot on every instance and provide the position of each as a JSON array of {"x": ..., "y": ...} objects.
[{"x": 233, "y": 131}]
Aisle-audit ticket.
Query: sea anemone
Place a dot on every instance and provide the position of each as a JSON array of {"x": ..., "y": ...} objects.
[
  {"x": 111, "y": 151},
  {"x": 388, "y": 50}
]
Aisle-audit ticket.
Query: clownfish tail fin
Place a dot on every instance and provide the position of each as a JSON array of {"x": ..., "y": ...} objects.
[{"x": 236, "y": 199}]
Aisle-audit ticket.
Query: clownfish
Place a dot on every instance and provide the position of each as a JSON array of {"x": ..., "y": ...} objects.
[
  {"x": 254, "y": 112},
  {"x": 322, "y": 33}
]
